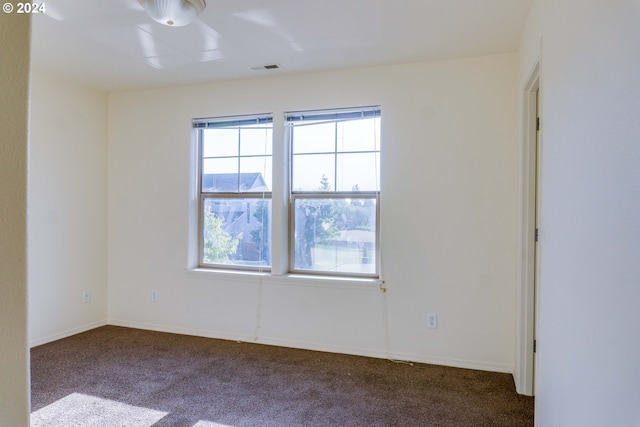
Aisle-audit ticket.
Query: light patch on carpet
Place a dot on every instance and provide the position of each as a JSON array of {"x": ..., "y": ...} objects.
[
  {"x": 203, "y": 423},
  {"x": 82, "y": 410}
]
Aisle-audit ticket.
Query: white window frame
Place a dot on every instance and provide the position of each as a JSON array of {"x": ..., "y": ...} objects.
[
  {"x": 335, "y": 115},
  {"x": 219, "y": 122}
]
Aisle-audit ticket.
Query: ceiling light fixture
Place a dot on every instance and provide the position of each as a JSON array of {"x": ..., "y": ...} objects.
[{"x": 174, "y": 13}]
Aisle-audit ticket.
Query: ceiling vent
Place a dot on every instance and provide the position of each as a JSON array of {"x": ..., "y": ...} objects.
[{"x": 266, "y": 67}]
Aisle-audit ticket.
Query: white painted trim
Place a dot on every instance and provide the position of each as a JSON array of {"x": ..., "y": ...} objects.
[
  {"x": 279, "y": 201},
  {"x": 305, "y": 345},
  {"x": 69, "y": 332},
  {"x": 182, "y": 331},
  {"x": 525, "y": 321},
  {"x": 193, "y": 218},
  {"x": 249, "y": 277},
  {"x": 284, "y": 279},
  {"x": 434, "y": 360},
  {"x": 325, "y": 282}
]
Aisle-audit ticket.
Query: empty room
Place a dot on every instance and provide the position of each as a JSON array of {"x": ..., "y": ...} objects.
[{"x": 356, "y": 213}]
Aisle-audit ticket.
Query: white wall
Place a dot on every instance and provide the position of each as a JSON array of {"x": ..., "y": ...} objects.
[
  {"x": 67, "y": 209},
  {"x": 449, "y": 210},
  {"x": 530, "y": 43},
  {"x": 589, "y": 322},
  {"x": 14, "y": 143}
]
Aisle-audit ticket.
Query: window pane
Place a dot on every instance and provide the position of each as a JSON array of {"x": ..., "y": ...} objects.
[
  {"x": 237, "y": 232},
  {"x": 313, "y": 172},
  {"x": 255, "y": 141},
  {"x": 220, "y": 175},
  {"x": 335, "y": 235},
  {"x": 358, "y": 172},
  {"x": 314, "y": 138},
  {"x": 219, "y": 142},
  {"x": 255, "y": 173},
  {"x": 359, "y": 135}
]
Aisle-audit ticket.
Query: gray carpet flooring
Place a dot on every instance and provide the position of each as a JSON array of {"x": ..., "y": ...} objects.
[{"x": 113, "y": 376}]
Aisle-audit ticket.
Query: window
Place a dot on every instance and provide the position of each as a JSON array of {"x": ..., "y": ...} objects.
[
  {"x": 234, "y": 186},
  {"x": 331, "y": 164},
  {"x": 334, "y": 192}
]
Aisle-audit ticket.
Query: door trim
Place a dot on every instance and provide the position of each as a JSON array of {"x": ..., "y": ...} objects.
[{"x": 526, "y": 293}]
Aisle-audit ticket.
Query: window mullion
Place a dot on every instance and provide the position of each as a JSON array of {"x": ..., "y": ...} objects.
[
  {"x": 335, "y": 157},
  {"x": 239, "y": 136},
  {"x": 335, "y": 194}
]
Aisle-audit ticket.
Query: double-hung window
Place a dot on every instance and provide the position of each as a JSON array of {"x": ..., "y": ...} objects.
[
  {"x": 331, "y": 162},
  {"x": 334, "y": 192},
  {"x": 234, "y": 188}
]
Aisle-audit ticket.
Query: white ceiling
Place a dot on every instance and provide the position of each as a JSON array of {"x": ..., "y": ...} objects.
[{"x": 113, "y": 45}]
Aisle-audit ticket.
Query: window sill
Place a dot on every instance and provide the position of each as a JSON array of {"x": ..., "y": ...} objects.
[
  {"x": 286, "y": 279},
  {"x": 219, "y": 274}
]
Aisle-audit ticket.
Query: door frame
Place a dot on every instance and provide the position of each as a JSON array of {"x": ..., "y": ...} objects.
[{"x": 528, "y": 251}]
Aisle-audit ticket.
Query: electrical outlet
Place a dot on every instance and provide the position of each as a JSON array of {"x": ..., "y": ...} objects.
[
  {"x": 432, "y": 320},
  {"x": 154, "y": 296},
  {"x": 86, "y": 297}
]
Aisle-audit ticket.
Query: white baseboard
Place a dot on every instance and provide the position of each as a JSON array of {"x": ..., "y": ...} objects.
[
  {"x": 305, "y": 345},
  {"x": 182, "y": 331},
  {"x": 381, "y": 354},
  {"x": 64, "y": 334}
]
